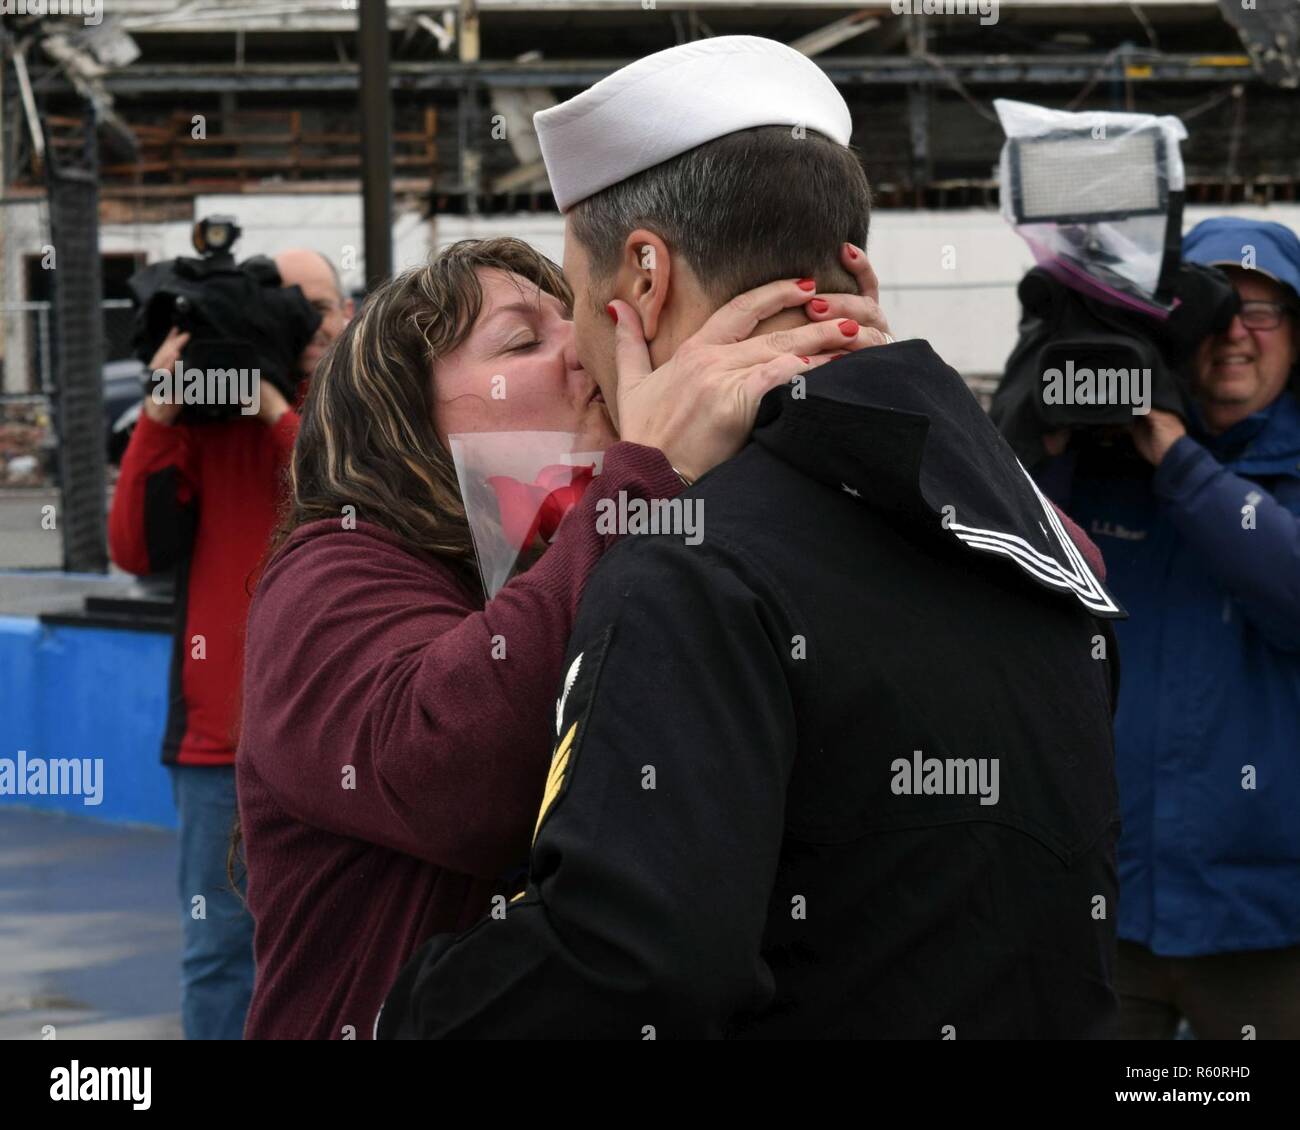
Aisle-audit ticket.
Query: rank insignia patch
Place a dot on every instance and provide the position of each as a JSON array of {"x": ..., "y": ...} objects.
[
  {"x": 554, "y": 779},
  {"x": 571, "y": 709}
]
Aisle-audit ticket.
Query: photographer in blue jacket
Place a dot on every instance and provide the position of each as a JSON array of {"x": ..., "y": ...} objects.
[{"x": 1200, "y": 530}]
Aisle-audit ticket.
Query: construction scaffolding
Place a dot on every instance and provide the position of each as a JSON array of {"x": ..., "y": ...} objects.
[{"x": 242, "y": 94}]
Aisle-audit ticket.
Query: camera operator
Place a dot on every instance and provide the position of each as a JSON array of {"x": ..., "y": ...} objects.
[
  {"x": 1201, "y": 534},
  {"x": 202, "y": 498}
]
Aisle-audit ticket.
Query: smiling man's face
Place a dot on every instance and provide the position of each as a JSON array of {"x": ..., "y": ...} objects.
[{"x": 1242, "y": 371}]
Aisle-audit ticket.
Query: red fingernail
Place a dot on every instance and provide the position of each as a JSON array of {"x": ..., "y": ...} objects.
[
  {"x": 805, "y": 360},
  {"x": 612, "y": 312},
  {"x": 819, "y": 305},
  {"x": 849, "y": 328},
  {"x": 807, "y": 284},
  {"x": 852, "y": 253}
]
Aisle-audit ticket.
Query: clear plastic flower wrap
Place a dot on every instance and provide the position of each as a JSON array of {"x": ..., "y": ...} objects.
[{"x": 517, "y": 487}]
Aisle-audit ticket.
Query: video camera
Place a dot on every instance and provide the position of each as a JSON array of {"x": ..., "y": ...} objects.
[
  {"x": 1111, "y": 316},
  {"x": 240, "y": 319}
]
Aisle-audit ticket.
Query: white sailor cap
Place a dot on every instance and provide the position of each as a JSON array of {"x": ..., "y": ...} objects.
[{"x": 675, "y": 100}]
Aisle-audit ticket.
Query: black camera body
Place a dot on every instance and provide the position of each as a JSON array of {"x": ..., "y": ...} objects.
[
  {"x": 243, "y": 325},
  {"x": 1073, "y": 342}
]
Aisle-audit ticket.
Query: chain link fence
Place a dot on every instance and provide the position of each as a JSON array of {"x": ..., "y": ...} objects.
[{"x": 28, "y": 392}]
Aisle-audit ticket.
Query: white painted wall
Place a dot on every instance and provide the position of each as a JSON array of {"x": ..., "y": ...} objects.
[
  {"x": 330, "y": 224},
  {"x": 969, "y": 313},
  {"x": 544, "y": 230},
  {"x": 24, "y": 234}
]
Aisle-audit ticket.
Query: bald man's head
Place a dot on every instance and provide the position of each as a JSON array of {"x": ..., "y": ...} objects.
[{"x": 320, "y": 284}]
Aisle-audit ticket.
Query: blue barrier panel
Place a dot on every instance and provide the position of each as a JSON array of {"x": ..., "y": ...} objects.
[
  {"x": 19, "y": 639},
  {"x": 88, "y": 693}
]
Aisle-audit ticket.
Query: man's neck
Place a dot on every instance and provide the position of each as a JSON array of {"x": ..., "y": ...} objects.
[
  {"x": 661, "y": 350},
  {"x": 1218, "y": 418},
  {"x": 785, "y": 320}
]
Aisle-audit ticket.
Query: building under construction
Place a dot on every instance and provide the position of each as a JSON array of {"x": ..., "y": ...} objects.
[
  {"x": 251, "y": 107},
  {"x": 274, "y": 84}
]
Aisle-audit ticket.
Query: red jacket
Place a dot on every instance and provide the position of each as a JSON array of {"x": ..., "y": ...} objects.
[
  {"x": 392, "y": 758},
  {"x": 202, "y": 499}
]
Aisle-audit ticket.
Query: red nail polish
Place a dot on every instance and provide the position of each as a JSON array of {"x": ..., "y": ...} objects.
[
  {"x": 805, "y": 360},
  {"x": 819, "y": 305},
  {"x": 612, "y": 312},
  {"x": 806, "y": 284},
  {"x": 852, "y": 254},
  {"x": 849, "y": 328}
]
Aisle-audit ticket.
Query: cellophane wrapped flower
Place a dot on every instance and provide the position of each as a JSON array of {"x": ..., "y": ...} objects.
[{"x": 517, "y": 487}]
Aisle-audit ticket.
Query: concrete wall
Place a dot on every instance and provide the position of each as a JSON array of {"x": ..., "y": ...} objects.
[
  {"x": 25, "y": 233},
  {"x": 967, "y": 310},
  {"x": 946, "y": 276},
  {"x": 330, "y": 224}
]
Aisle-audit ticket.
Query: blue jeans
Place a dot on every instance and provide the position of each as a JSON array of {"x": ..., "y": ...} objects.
[{"x": 217, "y": 953}]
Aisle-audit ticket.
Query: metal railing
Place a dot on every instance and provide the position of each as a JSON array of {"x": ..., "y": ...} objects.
[{"x": 27, "y": 345}]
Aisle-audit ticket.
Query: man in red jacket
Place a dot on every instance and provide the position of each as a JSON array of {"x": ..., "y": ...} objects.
[{"x": 203, "y": 501}]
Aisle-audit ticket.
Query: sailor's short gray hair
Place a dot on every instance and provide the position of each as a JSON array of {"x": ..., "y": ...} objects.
[{"x": 745, "y": 209}]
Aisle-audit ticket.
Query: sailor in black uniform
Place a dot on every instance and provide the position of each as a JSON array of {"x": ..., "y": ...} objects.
[{"x": 842, "y": 769}]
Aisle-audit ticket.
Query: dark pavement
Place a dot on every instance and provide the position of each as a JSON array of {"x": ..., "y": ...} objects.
[{"x": 90, "y": 929}]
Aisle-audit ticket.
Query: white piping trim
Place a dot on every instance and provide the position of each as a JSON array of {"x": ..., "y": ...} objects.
[
  {"x": 1078, "y": 576},
  {"x": 1097, "y": 604}
]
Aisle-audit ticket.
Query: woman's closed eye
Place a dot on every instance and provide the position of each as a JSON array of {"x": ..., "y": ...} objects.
[{"x": 519, "y": 347}]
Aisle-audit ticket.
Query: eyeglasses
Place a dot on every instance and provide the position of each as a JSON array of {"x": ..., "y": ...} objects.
[{"x": 1258, "y": 315}]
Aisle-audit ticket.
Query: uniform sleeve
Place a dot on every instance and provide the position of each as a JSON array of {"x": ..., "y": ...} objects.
[
  {"x": 659, "y": 830},
  {"x": 1083, "y": 543},
  {"x": 1258, "y": 564},
  {"x": 151, "y": 522}
]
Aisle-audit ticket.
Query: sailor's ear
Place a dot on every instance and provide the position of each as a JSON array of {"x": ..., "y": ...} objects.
[{"x": 646, "y": 265}]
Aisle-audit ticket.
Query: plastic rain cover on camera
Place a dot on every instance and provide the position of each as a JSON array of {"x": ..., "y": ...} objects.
[
  {"x": 516, "y": 487},
  {"x": 1090, "y": 193}
]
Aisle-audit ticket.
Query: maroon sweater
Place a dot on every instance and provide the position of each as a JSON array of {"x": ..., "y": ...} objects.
[{"x": 390, "y": 768}]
